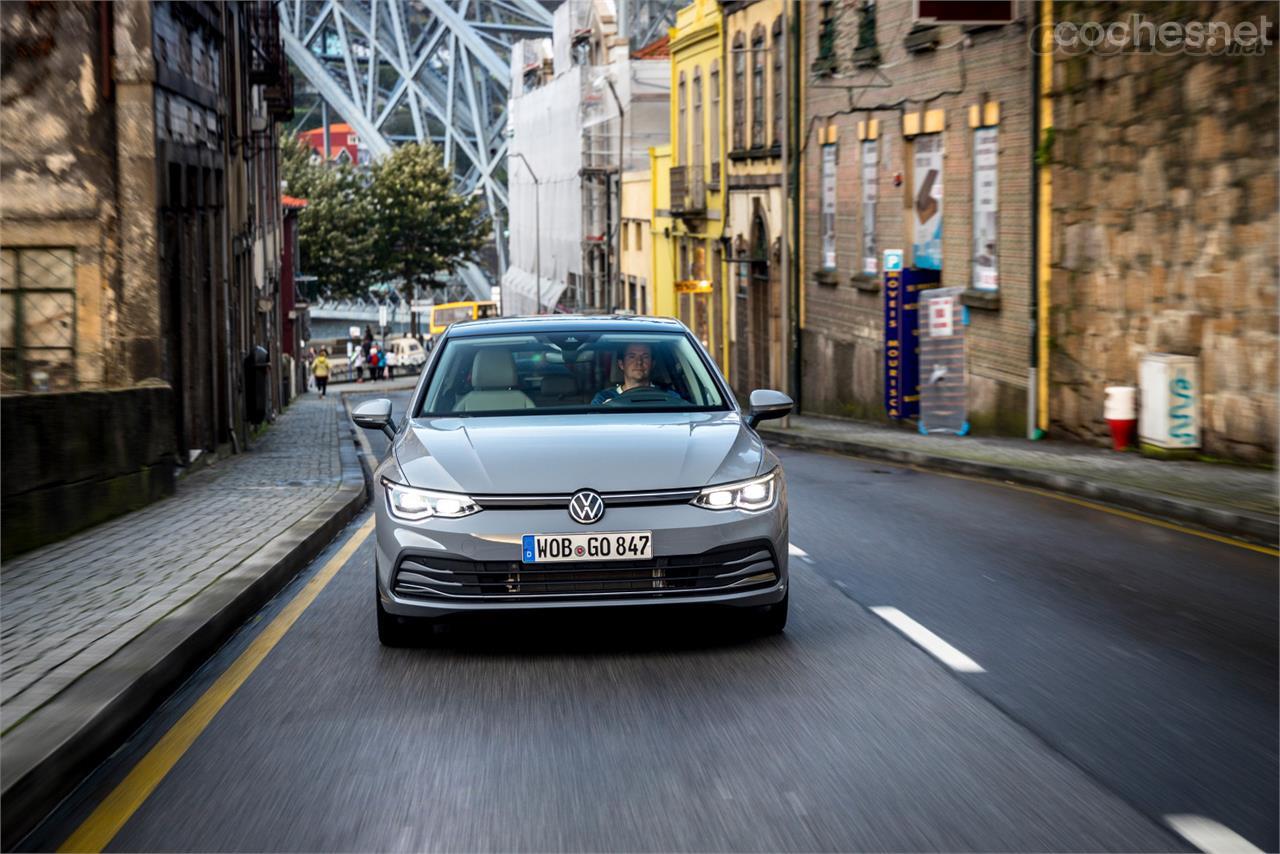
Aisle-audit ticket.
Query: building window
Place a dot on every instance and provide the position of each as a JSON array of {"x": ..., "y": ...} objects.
[
  {"x": 825, "y": 62},
  {"x": 926, "y": 186},
  {"x": 870, "y": 192},
  {"x": 829, "y": 207},
  {"x": 698, "y": 130},
  {"x": 640, "y": 236},
  {"x": 985, "y": 208},
  {"x": 866, "y": 53},
  {"x": 757, "y": 88},
  {"x": 625, "y": 241},
  {"x": 776, "y": 118},
  {"x": 37, "y": 319},
  {"x": 681, "y": 128},
  {"x": 715, "y": 122},
  {"x": 739, "y": 91}
]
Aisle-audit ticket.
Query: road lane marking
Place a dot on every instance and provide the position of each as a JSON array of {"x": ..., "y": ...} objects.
[
  {"x": 1081, "y": 502},
  {"x": 1209, "y": 836},
  {"x": 796, "y": 551},
  {"x": 928, "y": 641},
  {"x": 100, "y": 828},
  {"x": 1114, "y": 511}
]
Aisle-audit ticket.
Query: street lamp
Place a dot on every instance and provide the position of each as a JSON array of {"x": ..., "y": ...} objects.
[{"x": 537, "y": 230}]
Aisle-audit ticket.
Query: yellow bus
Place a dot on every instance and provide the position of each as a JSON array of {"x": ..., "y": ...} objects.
[{"x": 456, "y": 312}]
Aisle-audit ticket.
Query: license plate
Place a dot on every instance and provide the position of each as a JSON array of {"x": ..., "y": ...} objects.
[{"x": 559, "y": 548}]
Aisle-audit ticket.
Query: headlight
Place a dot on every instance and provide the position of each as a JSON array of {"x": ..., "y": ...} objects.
[
  {"x": 755, "y": 494},
  {"x": 414, "y": 505}
]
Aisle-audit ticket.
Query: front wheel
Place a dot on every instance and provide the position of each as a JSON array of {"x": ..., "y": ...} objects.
[
  {"x": 396, "y": 631},
  {"x": 772, "y": 619}
]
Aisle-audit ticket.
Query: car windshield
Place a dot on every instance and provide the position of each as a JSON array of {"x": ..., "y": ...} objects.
[{"x": 532, "y": 374}]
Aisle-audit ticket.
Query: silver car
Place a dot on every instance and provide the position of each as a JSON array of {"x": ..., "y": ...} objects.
[{"x": 571, "y": 462}]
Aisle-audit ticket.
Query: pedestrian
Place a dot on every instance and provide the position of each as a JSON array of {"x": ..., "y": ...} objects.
[
  {"x": 375, "y": 363},
  {"x": 392, "y": 359},
  {"x": 357, "y": 363},
  {"x": 320, "y": 368}
]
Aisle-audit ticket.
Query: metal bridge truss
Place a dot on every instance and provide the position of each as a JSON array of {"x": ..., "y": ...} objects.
[{"x": 421, "y": 70}]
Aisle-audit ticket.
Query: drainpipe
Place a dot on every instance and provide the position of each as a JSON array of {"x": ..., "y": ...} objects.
[
  {"x": 1042, "y": 205},
  {"x": 792, "y": 203}
]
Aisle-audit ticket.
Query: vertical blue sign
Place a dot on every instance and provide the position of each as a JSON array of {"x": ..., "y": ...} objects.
[{"x": 902, "y": 336}]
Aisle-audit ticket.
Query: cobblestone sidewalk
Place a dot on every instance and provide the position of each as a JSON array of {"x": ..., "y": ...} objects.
[
  {"x": 1220, "y": 489},
  {"x": 68, "y": 606}
]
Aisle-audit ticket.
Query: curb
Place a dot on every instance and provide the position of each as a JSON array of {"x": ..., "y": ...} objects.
[
  {"x": 64, "y": 740},
  {"x": 1244, "y": 526}
]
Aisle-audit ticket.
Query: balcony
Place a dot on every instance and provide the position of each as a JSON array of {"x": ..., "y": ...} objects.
[{"x": 688, "y": 192}]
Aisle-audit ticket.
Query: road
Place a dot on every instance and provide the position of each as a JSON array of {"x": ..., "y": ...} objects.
[{"x": 1121, "y": 673}]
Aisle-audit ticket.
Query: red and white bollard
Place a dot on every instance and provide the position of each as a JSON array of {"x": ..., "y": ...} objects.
[{"x": 1121, "y": 411}]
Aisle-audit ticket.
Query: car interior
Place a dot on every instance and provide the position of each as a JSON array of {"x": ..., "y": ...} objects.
[{"x": 528, "y": 372}]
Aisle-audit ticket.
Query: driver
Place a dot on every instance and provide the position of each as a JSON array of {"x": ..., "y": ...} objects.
[{"x": 636, "y": 364}]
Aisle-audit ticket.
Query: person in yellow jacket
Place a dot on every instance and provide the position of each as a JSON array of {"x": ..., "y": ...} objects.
[{"x": 320, "y": 367}]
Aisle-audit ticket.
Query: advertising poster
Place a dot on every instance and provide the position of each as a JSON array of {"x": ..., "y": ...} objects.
[
  {"x": 985, "y": 208},
  {"x": 829, "y": 207},
  {"x": 870, "y": 190},
  {"x": 926, "y": 221}
]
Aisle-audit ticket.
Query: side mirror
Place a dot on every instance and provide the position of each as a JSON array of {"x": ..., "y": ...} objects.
[
  {"x": 374, "y": 415},
  {"x": 765, "y": 403}
]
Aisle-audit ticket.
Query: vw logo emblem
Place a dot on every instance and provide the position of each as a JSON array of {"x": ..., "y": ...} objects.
[{"x": 586, "y": 507}]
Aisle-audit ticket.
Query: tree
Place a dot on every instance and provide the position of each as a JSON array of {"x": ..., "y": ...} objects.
[
  {"x": 422, "y": 226},
  {"x": 336, "y": 229}
]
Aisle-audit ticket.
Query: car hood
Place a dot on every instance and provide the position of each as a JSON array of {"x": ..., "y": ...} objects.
[{"x": 533, "y": 455}]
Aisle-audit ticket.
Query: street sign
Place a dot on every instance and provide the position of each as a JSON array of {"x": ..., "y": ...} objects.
[
  {"x": 353, "y": 331},
  {"x": 893, "y": 260},
  {"x": 382, "y": 315}
]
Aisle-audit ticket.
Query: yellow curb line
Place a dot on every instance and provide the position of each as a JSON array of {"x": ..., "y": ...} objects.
[{"x": 100, "y": 828}]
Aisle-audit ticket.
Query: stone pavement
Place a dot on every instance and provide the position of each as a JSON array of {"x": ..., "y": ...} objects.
[
  {"x": 68, "y": 606},
  {"x": 1237, "y": 500}
]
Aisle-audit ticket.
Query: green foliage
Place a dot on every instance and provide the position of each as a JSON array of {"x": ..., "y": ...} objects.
[
  {"x": 423, "y": 226},
  {"x": 335, "y": 229},
  {"x": 398, "y": 220}
]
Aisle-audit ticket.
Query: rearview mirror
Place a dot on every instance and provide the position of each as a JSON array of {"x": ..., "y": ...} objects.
[
  {"x": 374, "y": 415},
  {"x": 765, "y": 403}
]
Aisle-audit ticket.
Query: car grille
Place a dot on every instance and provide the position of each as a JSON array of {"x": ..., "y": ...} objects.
[{"x": 733, "y": 568}]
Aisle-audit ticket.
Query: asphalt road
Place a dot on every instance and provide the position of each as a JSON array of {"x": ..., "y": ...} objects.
[{"x": 1128, "y": 672}]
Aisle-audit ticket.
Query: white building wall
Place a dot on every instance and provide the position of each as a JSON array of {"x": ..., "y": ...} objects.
[{"x": 546, "y": 126}]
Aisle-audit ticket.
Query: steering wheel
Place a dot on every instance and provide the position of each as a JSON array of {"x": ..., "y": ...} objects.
[{"x": 642, "y": 394}]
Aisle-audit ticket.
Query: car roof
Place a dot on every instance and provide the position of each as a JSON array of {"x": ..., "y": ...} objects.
[{"x": 565, "y": 323}]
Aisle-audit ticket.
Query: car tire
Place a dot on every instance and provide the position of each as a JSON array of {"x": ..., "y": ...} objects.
[
  {"x": 772, "y": 619},
  {"x": 396, "y": 631}
]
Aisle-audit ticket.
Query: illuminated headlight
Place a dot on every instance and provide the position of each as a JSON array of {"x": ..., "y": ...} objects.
[
  {"x": 414, "y": 505},
  {"x": 755, "y": 494}
]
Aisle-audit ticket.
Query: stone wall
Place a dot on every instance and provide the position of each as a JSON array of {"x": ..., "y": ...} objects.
[
  {"x": 1164, "y": 171},
  {"x": 77, "y": 459}
]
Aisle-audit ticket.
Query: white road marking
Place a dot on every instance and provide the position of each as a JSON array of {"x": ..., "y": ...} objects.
[
  {"x": 928, "y": 641},
  {"x": 1209, "y": 836},
  {"x": 796, "y": 551}
]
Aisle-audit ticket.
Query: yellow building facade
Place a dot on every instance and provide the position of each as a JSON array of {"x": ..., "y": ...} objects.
[
  {"x": 691, "y": 245},
  {"x": 636, "y": 241},
  {"x": 755, "y": 203},
  {"x": 661, "y": 254}
]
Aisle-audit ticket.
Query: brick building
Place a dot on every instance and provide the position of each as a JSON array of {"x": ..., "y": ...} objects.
[{"x": 901, "y": 121}]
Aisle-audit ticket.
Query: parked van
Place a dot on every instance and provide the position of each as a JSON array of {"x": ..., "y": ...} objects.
[{"x": 408, "y": 352}]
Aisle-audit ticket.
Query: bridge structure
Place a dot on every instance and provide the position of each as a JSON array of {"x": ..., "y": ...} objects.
[
  {"x": 421, "y": 70},
  {"x": 434, "y": 71}
]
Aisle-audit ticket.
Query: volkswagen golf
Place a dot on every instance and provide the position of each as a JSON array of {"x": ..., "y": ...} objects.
[{"x": 571, "y": 462}]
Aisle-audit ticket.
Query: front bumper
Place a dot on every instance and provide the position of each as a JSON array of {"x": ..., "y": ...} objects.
[{"x": 418, "y": 565}]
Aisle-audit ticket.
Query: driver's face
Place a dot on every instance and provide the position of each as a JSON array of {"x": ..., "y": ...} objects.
[{"x": 636, "y": 362}]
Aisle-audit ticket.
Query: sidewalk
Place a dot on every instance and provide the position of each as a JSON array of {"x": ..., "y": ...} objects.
[
  {"x": 98, "y": 628},
  {"x": 1233, "y": 500}
]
